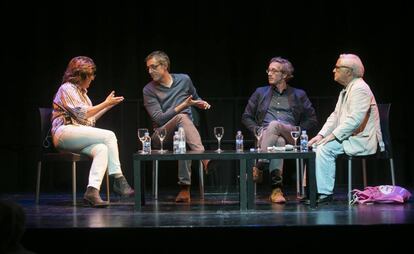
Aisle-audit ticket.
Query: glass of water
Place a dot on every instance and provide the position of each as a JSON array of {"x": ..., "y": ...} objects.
[
  {"x": 295, "y": 132},
  {"x": 258, "y": 131},
  {"x": 219, "y": 132},
  {"x": 161, "y": 133},
  {"x": 141, "y": 137}
]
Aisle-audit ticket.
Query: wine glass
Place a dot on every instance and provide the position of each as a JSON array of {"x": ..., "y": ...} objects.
[
  {"x": 258, "y": 131},
  {"x": 295, "y": 132},
  {"x": 219, "y": 132},
  {"x": 161, "y": 133},
  {"x": 141, "y": 136}
]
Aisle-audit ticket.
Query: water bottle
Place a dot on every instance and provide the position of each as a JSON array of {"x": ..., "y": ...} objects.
[
  {"x": 147, "y": 143},
  {"x": 176, "y": 143},
  {"x": 239, "y": 142},
  {"x": 304, "y": 141},
  {"x": 181, "y": 144}
]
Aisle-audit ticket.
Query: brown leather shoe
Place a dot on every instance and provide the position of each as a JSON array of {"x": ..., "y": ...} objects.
[
  {"x": 277, "y": 196},
  {"x": 257, "y": 175},
  {"x": 184, "y": 194},
  {"x": 92, "y": 198}
]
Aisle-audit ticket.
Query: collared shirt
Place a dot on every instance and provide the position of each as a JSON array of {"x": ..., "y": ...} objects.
[
  {"x": 279, "y": 109},
  {"x": 300, "y": 105},
  {"x": 70, "y": 106}
]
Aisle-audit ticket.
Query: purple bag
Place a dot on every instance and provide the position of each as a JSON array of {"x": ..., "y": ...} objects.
[{"x": 380, "y": 194}]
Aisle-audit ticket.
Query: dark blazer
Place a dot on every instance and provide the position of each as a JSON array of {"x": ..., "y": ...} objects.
[{"x": 259, "y": 102}]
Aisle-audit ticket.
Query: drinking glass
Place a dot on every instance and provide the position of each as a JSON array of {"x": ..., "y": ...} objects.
[
  {"x": 141, "y": 136},
  {"x": 295, "y": 133},
  {"x": 258, "y": 131},
  {"x": 219, "y": 132},
  {"x": 161, "y": 133}
]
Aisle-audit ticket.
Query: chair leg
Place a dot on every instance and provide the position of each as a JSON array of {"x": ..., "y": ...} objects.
[
  {"x": 201, "y": 176},
  {"x": 392, "y": 171},
  {"x": 74, "y": 182},
  {"x": 364, "y": 172},
  {"x": 39, "y": 172},
  {"x": 155, "y": 179},
  {"x": 349, "y": 179},
  {"x": 107, "y": 186}
]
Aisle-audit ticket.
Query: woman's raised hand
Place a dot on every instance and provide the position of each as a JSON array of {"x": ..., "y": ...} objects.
[{"x": 113, "y": 100}]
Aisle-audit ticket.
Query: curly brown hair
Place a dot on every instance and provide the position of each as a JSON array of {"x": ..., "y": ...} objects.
[{"x": 79, "y": 68}]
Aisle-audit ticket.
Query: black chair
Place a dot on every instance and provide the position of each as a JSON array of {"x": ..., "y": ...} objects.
[
  {"x": 384, "y": 112},
  {"x": 48, "y": 153},
  {"x": 196, "y": 121}
]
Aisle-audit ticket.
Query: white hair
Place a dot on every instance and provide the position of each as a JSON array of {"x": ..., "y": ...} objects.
[{"x": 354, "y": 62}]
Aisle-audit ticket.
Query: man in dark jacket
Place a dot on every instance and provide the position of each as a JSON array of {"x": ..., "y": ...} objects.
[{"x": 278, "y": 109}]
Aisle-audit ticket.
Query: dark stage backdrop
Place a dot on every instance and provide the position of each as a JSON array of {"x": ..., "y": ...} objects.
[{"x": 224, "y": 47}]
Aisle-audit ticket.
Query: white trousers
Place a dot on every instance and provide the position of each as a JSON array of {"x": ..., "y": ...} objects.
[
  {"x": 326, "y": 165},
  {"x": 97, "y": 143}
]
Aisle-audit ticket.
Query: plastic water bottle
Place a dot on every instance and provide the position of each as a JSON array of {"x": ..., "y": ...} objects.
[
  {"x": 182, "y": 143},
  {"x": 176, "y": 143},
  {"x": 239, "y": 142},
  {"x": 304, "y": 141},
  {"x": 147, "y": 143}
]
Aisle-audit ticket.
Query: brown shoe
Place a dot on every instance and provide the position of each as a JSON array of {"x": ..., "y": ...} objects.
[
  {"x": 257, "y": 175},
  {"x": 184, "y": 194},
  {"x": 122, "y": 188},
  {"x": 277, "y": 196},
  {"x": 93, "y": 199}
]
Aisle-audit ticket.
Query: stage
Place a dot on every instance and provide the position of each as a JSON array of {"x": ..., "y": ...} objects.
[{"x": 213, "y": 224}]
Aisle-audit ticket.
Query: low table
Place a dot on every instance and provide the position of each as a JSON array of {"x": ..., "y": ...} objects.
[{"x": 246, "y": 175}]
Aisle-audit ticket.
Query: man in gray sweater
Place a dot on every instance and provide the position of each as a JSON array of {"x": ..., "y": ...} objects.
[{"x": 167, "y": 99}]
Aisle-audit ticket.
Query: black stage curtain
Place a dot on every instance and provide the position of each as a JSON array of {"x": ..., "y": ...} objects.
[{"x": 225, "y": 48}]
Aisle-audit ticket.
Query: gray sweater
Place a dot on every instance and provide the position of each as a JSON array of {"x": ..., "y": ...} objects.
[{"x": 160, "y": 101}]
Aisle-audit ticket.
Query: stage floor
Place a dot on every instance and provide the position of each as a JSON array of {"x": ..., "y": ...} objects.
[
  {"x": 216, "y": 210},
  {"x": 216, "y": 217}
]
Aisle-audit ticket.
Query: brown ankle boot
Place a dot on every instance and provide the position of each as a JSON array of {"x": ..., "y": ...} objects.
[
  {"x": 93, "y": 199},
  {"x": 184, "y": 194},
  {"x": 122, "y": 188}
]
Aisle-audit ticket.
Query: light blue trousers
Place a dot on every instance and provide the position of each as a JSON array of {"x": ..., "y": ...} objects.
[{"x": 326, "y": 165}]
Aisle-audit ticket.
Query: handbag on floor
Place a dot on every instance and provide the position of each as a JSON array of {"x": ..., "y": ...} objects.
[{"x": 380, "y": 194}]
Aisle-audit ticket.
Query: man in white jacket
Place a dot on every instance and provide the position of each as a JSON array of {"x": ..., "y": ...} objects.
[{"x": 352, "y": 128}]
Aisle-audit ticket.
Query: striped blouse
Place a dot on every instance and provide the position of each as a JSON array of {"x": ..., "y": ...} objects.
[{"x": 70, "y": 106}]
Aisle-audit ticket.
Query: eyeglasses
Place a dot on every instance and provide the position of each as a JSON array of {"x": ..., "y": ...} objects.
[
  {"x": 153, "y": 67},
  {"x": 341, "y": 66},
  {"x": 273, "y": 71}
]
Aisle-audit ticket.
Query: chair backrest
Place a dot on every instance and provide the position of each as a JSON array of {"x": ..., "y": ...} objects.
[
  {"x": 384, "y": 112},
  {"x": 45, "y": 135}
]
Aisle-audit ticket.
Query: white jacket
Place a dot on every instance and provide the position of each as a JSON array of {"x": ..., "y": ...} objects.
[{"x": 355, "y": 121}]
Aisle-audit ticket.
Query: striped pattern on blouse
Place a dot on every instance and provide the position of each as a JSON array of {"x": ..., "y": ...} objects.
[{"x": 70, "y": 106}]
